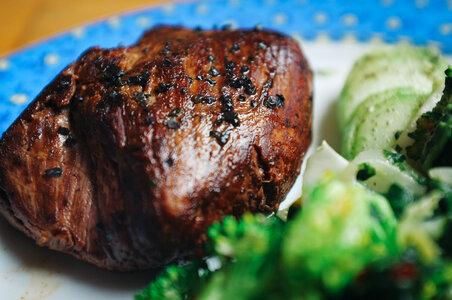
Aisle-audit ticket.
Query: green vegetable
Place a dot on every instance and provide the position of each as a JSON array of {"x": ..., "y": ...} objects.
[
  {"x": 376, "y": 120},
  {"x": 342, "y": 228},
  {"x": 445, "y": 203},
  {"x": 405, "y": 277},
  {"x": 443, "y": 174},
  {"x": 399, "y": 198},
  {"x": 399, "y": 160},
  {"x": 390, "y": 169},
  {"x": 394, "y": 158},
  {"x": 418, "y": 69},
  {"x": 176, "y": 283},
  {"x": 419, "y": 228},
  {"x": 437, "y": 151},
  {"x": 419, "y": 271},
  {"x": 344, "y": 243},
  {"x": 365, "y": 171},
  {"x": 249, "y": 253},
  {"x": 433, "y": 135}
]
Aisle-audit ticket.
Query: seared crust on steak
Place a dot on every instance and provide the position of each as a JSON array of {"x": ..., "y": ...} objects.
[{"x": 128, "y": 156}]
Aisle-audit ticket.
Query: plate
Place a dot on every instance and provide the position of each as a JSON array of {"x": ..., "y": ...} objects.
[{"x": 332, "y": 34}]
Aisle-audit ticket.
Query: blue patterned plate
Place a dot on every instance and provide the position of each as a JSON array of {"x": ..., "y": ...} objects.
[{"x": 332, "y": 33}]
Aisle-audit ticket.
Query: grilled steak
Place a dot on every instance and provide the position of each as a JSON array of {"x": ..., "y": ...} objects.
[{"x": 131, "y": 153}]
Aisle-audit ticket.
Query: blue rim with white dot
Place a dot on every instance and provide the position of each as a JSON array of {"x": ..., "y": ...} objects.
[{"x": 420, "y": 22}]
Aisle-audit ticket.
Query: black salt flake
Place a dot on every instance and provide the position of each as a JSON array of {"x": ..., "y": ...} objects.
[
  {"x": 54, "y": 172},
  {"x": 175, "y": 112},
  {"x": 235, "y": 48},
  {"x": 213, "y": 71},
  {"x": 70, "y": 142},
  {"x": 230, "y": 65},
  {"x": 149, "y": 120},
  {"x": 172, "y": 124},
  {"x": 63, "y": 131},
  {"x": 167, "y": 62},
  {"x": 211, "y": 81}
]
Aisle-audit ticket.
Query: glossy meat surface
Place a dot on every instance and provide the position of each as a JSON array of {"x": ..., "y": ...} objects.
[{"x": 131, "y": 153}]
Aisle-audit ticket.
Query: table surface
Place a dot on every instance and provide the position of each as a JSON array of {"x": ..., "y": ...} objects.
[{"x": 25, "y": 21}]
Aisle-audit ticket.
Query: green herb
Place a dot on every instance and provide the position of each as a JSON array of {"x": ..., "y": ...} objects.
[
  {"x": 365, "y": 171},
  {"x": 433, "y": 135},
  {"x": 399, "y": 160},
  {"x": 394, "y": 158},
  {"x": 437, "y": 151},
  {"x": 449, "y": 72},
  {"x": 399, "y": 198}
]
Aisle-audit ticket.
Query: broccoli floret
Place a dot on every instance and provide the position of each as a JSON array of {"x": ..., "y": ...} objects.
[
  {"x": 342, "y": 228},
  {"x": 245, "y": 250},
  {"x": 433, "y": 135},
  {"x": 248, "y": 251},
  {"x": 176, "y": 283},
  {"x": 232, "y": 238}
]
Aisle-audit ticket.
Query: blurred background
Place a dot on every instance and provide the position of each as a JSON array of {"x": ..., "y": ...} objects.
[{"x": 25, "y": 21}]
